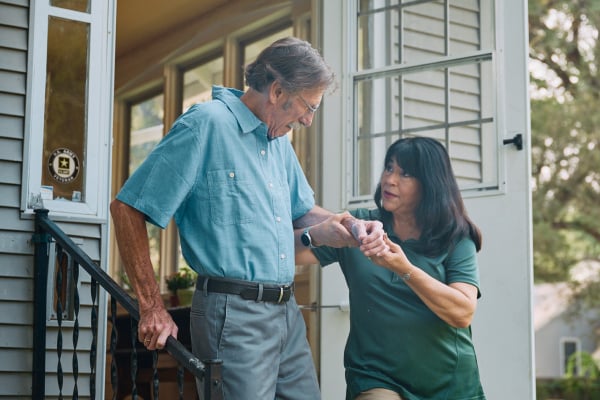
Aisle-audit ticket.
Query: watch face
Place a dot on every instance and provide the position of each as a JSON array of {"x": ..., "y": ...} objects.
[{"x": 305, "y": 239}]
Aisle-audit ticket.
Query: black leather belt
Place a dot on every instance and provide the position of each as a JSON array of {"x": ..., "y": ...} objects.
[{"x": 247, "y": 290}]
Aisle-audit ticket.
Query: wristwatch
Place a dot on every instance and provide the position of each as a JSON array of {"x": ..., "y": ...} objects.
[{"x": 306, "y": 239}]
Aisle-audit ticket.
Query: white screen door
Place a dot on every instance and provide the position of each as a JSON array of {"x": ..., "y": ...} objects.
[{"x": 455, "y": 70}]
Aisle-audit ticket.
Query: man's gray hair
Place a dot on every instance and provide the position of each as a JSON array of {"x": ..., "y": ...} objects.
[{"x": 294, "y": 63}]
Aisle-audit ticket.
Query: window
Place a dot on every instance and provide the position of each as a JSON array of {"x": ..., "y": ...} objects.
[
  {"x": 570, "y": 356},
  {"x": 407, "y": 81},
  {"x": 69, "y": 103},
  {"x": 254, "y": 47},
  {"x": 145, "y": 131},
  {"x": 198, "y": 82}
]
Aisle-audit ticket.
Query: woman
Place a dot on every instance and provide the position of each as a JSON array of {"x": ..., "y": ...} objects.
[{"x": 410, "y": 335}]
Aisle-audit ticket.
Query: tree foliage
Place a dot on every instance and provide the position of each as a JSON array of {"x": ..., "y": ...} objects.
[{"x": 565, "y": 122}]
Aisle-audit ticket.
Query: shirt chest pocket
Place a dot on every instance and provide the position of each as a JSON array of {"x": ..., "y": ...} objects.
[{"x": 232, "y": 197}]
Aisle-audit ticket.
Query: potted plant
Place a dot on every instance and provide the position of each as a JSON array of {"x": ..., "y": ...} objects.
[{"x": 177, "y": 284}]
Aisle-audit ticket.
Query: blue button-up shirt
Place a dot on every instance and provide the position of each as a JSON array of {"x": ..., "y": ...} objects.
[{"x": 233, "y": 192}]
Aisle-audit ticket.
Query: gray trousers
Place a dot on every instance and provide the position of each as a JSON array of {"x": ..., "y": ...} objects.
[{"x": 263, "y": 347}]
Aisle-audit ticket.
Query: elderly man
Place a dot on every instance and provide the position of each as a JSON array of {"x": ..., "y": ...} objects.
[{"x": 230, "y": 179}]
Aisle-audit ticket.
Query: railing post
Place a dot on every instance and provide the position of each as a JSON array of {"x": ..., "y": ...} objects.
[
  {"x": 41, "y": 240},
  {"x": 212, "y": 379}
]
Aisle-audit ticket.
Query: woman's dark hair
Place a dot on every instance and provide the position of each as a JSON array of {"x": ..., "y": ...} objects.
[
  {"x": 291, "y": 61},
  {"x": 441, "y": 214}
]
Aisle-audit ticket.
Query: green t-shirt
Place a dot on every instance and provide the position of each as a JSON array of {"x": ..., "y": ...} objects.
[{"x": 396, "y": 341}]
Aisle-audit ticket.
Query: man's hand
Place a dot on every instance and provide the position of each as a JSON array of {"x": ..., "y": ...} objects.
[
  {"x": 155, "y": 326},
  {"x": 343, "y": 230},
  {"x": 368, "y": 234},
  {"x": 333, "y": 233}
]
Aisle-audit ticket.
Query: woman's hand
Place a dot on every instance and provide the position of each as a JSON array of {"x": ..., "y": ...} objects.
[
  {"x": 454, "y": 303},
  {"x": 393, "y": 259}
]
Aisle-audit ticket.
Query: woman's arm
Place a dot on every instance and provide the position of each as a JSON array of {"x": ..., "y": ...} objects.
[{"x": 454, "y": 303}]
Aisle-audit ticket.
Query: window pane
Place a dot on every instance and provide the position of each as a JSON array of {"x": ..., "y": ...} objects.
[
  {"x": 401, "y": 32},
  {"x": 198, "y": 81},
  {"x": 569, "y": 349},
  {"x": 378, "y": 23},
  {"x": 63, "y": 166},
  {"x": 473, "y": 32},
  {"x": 443, "y": 103},
  {"x": 146, "y": 131},
  {"x": 75, "y": 5},
  {"x": 252, "y": 49},
  {"x": 422, "y": 70},
  {"x": 468, "y": 146}
]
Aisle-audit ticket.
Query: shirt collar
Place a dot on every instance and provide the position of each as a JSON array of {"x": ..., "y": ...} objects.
[{"x": 246, "y": 119}]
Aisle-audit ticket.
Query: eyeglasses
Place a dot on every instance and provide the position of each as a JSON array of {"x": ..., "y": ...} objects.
[{"x": 310, "y": 108}]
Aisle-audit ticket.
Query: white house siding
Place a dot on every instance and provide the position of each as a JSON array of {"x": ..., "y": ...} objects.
[
  {"x": 16, "y": 251},
  {"x": 16, "y": 270}
]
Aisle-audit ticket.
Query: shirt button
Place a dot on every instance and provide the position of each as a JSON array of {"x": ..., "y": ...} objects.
[
  {"x": 231, "y": 174},
  {"x": 278, "y": 219},
  {"x": 282, "y": 256},
  {"x": 262, "y": 152},
  {"x": 270, "y": 185}
]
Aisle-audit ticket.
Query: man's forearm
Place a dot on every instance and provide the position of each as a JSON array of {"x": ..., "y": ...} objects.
[{"x": 132, "y": 239}]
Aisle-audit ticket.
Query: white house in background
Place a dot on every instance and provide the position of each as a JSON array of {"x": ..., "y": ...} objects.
[{"x": 557, "y": 333}]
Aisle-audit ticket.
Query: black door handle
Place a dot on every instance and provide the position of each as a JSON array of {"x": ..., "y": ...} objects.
[{"x": 517, "y": 140}]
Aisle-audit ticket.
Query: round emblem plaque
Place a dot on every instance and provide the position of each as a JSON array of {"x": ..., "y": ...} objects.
[{"x": 63, "y": 165}]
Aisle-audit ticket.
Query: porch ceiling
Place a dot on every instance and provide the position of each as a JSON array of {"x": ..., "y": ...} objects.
[{"x": 142, "y": 21}]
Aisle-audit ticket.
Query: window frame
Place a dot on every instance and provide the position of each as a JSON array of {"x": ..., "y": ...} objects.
[
  {"x": 564, "y": 359},
  {"x": 101, "y": 20}
]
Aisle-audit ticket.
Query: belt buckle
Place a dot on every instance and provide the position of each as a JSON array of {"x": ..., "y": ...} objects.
[{"x": 280, "y": 294}]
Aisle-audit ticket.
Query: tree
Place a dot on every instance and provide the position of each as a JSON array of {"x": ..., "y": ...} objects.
[{"x": 565, "y": 122}]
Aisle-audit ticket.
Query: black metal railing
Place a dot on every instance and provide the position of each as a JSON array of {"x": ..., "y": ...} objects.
[{"x": 51, "y": 241}]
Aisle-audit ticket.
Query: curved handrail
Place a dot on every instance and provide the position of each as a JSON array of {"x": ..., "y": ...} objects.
[{"x": 211, "y": 375}]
